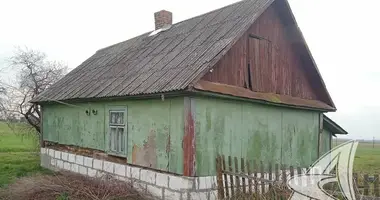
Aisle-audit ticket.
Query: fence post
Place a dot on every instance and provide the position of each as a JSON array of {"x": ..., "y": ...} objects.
[
  {"x": 250, "y": 179},
  {"x": 270, "y": 175},
  {"x": 227, "y": 191},
  {"x": 366, "y": 185},
  {"x": 277, "y": 172},
  {"x": 219, "y": 178},
  {"x": 243, "y": 172},
  {"x": 283, "y": 174},
  {"x": 255, "y": 175},
  {"x": 376, "y": 186},
  {"x": 237, "y": 177},
  {"x": 231, "y": 177},
  {"x": 262, "y": 177}
]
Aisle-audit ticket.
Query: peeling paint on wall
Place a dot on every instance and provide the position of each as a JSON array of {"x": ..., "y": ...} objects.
[
  {"x": 155, "y": 129},
  {"x": 146, "y": 156},
  {"x": 254, "y": 132}
]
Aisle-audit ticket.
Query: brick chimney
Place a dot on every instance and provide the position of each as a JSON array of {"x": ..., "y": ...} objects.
[{"x": 162, "y": 18}]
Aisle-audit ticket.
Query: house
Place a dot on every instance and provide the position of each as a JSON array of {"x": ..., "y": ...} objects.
[{"x": 239, "y": 81}]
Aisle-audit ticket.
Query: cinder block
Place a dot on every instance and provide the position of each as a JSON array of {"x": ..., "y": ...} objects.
[
  {"x": 53, "y": 162},
  {"x": 79, "y": 159},
  {"x": 71, "y": 158},
  {"x": 108, "y": 166},
  {"x": 121, "y": 178},
  {"x": 207, "y": 182},
  {"x": 91, "y": 172},
  {"x": 155, "y": 191},
  {"x": 45, "y": 160},
  {"x": 43, "y": 151},
  {"x": 120, "y": 169},
  {"x": 98, "y": 164},
  {"x": 88, "y": 161},
  {"x": 178, "y": 183},
  {"x": 65, "y": 156},
  {"x": 172, "y": 195},
  {"x": 128, "y": 172},
  {"x": 100, "y": 174},
  {"x": 57, "y": 154},
  {"x": 162, "y": 179},
  {"x": 66, "y": 166},
  {"x": 83, "y": 170},
  {"x": 135, "y": 172},
  {"x": 140, "y": 187},
  {"x": 213, "y": 195},
  {"x": 60, "y": 164},
  {"x": 198, "y": 195},
  {"x": 148, "y": 176},
  {"x": 75, "y": 168},
  {"x": 51, "y": 152}
]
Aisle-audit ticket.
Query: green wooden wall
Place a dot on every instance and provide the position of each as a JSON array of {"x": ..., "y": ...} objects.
[
  {"x": 155, "y": 129},
  {"x": 325, "y": 141},
  {"x": 255, "y": 132}
]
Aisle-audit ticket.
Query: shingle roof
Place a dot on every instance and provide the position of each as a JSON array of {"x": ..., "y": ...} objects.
[{"x": 168, "y": 61}]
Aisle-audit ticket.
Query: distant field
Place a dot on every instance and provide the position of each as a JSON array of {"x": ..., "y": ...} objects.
[
  {"x": 367, "y": 157},
  {"x": 18, "y": 155}
]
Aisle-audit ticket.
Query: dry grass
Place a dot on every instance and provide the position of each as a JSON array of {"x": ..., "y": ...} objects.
[{"x": 69, "y": 186}]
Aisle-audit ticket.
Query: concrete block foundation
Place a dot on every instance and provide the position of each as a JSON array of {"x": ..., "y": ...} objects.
[{"x": 162, "y": 185}]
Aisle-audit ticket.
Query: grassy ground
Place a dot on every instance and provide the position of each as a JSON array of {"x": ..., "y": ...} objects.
[
  {"x": 18, "y": 155},
  {"x": 367, "y": 157}
]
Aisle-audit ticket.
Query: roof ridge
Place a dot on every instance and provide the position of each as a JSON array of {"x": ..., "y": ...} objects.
[{"x": 194, "y": 17}]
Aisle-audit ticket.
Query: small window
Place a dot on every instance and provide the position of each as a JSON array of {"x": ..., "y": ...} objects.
[{"x": 117, "y": 135}]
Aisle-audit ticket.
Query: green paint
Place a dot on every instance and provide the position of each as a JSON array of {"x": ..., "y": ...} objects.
[
  {"x": 325, "y": 142},
  {"x": 161, "y": 120},
  {"x": 255, "y": 132}
]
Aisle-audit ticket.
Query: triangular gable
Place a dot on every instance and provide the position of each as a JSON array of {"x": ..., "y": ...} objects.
[{"x": 299, "y": 77}]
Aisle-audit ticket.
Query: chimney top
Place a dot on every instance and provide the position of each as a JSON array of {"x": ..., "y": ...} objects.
[{"x": 162, "y": 19}]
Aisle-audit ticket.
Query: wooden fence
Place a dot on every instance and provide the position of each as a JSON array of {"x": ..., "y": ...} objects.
[{"x": 250, "y": 179}]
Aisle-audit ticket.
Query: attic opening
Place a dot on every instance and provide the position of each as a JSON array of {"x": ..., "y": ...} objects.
[{"x": 249, "y": 76}]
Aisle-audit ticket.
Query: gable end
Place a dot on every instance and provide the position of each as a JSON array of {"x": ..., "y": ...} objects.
[{"x": 272, "y": 57}]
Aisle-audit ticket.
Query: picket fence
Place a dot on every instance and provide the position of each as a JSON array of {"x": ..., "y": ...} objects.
[{"x": 249, "y": 179}]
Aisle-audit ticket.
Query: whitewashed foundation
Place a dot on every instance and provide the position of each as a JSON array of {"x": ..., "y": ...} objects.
[{"x": 162, "y": 185}]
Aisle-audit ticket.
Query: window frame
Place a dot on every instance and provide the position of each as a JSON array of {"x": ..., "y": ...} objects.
[{"x": 116, "y": 109}]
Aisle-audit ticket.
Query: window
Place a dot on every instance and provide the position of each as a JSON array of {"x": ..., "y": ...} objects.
[{"x": 117, "y": 133}]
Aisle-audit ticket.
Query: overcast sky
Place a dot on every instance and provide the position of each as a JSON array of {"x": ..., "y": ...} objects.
[{"x": 343, "y": 36}]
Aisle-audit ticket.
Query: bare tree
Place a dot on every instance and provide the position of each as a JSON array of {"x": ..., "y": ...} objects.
[
  {"x": 2, "y": 106},
  {"x": 34, "y": 75}
]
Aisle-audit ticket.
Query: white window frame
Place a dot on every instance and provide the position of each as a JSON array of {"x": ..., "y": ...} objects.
[{"x": 122, "y": 144}]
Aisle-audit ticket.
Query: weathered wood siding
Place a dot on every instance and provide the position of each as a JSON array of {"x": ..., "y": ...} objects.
[
  {"x": 325, "y": 142},
  {"x": 254, "y": 132},
  {"x": 232, "y": 68},
  {"x": 155, "y": 130},
  {"x": 275, "y": 64}
]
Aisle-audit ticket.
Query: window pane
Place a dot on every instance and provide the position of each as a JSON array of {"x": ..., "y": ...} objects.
[
  {"x": 113, "y": 139},
  {"x": 121, "y": 138},
  {"x": 121, "y": 118},
  {"x": 112, "y": 117},
  {"x": 117, "y": 117}
]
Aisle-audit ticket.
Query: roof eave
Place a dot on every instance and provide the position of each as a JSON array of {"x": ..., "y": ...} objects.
[
  {"x": 333, "y": 126},
  {"x": 233, "y": 92}
]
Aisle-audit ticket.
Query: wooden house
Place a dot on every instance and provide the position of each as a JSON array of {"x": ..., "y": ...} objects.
[{"x": 239, "y": 81}]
